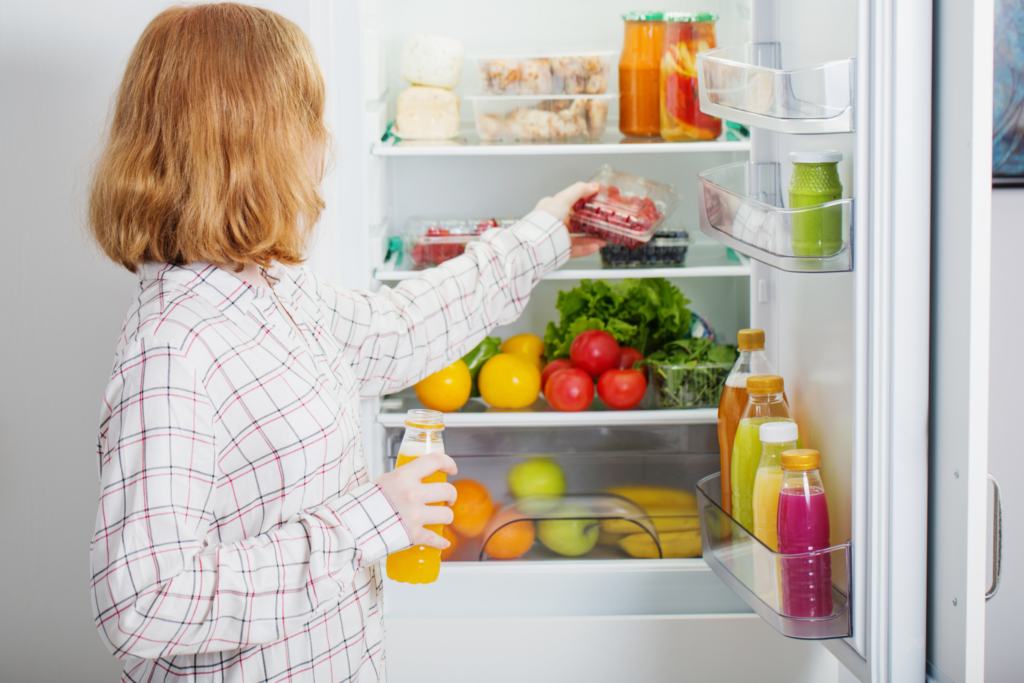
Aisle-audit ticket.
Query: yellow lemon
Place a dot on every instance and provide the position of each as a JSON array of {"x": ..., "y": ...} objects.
[
  {"x": 530, "y": 344},
  {"x": 509, "y": 380},
  {"x": 446, "y": 390}
]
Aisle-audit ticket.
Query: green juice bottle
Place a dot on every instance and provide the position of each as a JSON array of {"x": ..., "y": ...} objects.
[
  {"x": 765, "y": 403},
  {"x": 815, "y": 180}
]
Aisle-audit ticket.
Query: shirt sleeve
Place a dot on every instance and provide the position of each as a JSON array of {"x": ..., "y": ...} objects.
[
  {"x": 398, "y": 336},
  {"x": 160, "y": 586}
]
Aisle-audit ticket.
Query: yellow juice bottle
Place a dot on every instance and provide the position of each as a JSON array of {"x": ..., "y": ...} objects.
[
  {"x": 776, "y": 437},
  {"x": 420, "y": 563}
]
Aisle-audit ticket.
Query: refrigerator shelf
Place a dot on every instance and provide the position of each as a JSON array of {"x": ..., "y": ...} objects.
[
  {"x": 754, "y": 572},
  {"x": 741, "y": 206},
  {"x": 476, "y": 413},
  {"x": 734, "y": 83}
]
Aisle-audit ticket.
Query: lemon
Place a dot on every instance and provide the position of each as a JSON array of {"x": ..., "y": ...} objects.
[
  {"x": 509, "y": 380},
  {"x": 446, "y": 390},
  {"x": 530, "y": 344}
]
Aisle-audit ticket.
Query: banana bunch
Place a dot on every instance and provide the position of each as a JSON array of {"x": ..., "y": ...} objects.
[{"x": 673, "y": 513}]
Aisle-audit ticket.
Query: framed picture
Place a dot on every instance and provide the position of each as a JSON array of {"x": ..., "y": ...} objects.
[{"x": 1008, "y": 95}]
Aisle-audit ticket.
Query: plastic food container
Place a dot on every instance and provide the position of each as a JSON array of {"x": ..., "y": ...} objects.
[
  {"x": 626, "y": 211},
  {"x": 508, "y": 119},
  {"x": 666, "y": 249},
  {"x": 569, "y": 73},
  {"x": 430, "y": 242},
  {"x": 688, "y": 385}
]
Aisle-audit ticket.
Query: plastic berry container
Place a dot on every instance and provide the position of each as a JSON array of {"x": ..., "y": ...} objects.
[
  {"x": 626, "y": 211},
  {"x": 430, "y": 242},
  {"x": 667, "y": 249}
]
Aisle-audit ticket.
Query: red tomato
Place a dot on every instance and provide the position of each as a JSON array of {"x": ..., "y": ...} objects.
[
  {"x": 569, "y": 390},
  {"x": 622, "y": 389},
  {"x": 595, "y": 351},
  {"x": 553, "y": 367},
  {"x": 629, "y": 357}
]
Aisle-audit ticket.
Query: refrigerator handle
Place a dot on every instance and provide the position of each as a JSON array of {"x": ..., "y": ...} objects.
[{"x": 997, "y": 539}]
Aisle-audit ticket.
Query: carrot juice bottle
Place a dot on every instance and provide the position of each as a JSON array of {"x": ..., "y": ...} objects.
[
  {"x": 752, "y": 361},
  {"x": 420, "y": 563},
  {"x": 640, "y": 74}
]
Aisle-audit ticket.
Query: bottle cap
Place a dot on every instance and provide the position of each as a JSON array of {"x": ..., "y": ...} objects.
[
  {"x": 801, "y": 459},
  {"x": 778, "y": 432},
  {"x": 425, "y": 419},
  {"x": 750, "y": 340},
  {"x": 825, "y": 156},
  {"x": 759, "y": 385},
  {"x": 691, "y": 17},
  {"x": 643, "y": 16}
]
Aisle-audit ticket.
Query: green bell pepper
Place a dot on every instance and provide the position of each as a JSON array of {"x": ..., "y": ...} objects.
[{"x": 476, "y": 358}]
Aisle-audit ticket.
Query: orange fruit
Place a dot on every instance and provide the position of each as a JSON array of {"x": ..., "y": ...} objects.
[
  {"x": 472, "y": 508},
  {"x": 446, "y": 390},
  {"x": 449, "y": 536},
  {"x": 511, "y": 540}
]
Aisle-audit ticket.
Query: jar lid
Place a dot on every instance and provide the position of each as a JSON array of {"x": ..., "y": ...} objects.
[
  {"x": 801, "y": 459},
  {"x": 825, "y": 156},
  {"x": 691, "y": 17},
  {"x": 750, "y": 340},
  {"x": 643, "y": 16},
  {"x": 760, "y": 385},
  {"x": 778, "y": 432}
]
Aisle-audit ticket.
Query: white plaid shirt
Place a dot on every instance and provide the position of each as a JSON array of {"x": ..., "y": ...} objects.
[{"x": 237, "y": 533}]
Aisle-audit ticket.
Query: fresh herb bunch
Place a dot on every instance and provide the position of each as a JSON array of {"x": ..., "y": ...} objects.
[
  {"x": 645, "y": 313},
  {"x": 690, "y": 373}
]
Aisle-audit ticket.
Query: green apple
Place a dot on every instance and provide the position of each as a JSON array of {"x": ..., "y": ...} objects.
[
  {"x": 536, "y": 477},
  {"x": 569, "y": 537}
]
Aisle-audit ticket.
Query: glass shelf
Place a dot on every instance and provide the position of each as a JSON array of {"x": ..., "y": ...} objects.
[
  {"x": 757, "y": 574},
  {"x": 741, "y": 206},
  {"x": 736, "y": 83}
]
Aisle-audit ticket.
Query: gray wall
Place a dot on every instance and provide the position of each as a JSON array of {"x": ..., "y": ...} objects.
[
  {"x": 1004, "y": 658},
  {"x": 61, "y": 310}
]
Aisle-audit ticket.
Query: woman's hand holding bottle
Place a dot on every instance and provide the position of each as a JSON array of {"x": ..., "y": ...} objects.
[{"x": 412, "y": 498}]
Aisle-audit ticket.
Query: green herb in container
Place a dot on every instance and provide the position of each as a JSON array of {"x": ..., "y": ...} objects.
[{"x": 690, "y": 373}]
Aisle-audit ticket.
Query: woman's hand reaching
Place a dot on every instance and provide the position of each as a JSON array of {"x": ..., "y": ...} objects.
[
  {"x": 405, "y": 489},
  {"x": 559, "y": 207}
]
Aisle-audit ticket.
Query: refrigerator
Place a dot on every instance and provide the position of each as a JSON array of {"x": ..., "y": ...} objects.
[{"x": 883, "y": 345}]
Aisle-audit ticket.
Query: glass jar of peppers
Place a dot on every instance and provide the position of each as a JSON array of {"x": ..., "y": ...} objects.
[{"x": 686, "y": 34}]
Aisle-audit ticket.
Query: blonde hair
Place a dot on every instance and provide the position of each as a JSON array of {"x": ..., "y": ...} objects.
[{"x": 217, "y": 145}]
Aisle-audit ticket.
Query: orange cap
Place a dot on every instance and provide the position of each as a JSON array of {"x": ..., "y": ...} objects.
[
  {"x": 759, "y": 385},
  {"x": 801, "y": 459},
  {"x": 750, "y": 340}
]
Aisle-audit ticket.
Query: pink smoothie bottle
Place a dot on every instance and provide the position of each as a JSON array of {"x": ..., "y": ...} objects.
[{"x": 803, "y": 527}]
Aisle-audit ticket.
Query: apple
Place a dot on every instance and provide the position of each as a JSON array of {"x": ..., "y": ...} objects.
[
  {"x": 569, "y": 537},
  {"x": 536, "y": 477}
]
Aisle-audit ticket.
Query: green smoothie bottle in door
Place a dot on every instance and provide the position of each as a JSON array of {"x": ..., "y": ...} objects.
[
  {"x": 815, "y": 180},
  {"x": 765, "y": 403}
]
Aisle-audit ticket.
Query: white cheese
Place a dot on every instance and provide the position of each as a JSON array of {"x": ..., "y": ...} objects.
[
  {"x": 427, "y": 114},
  {"x": 432, "y": 60}
]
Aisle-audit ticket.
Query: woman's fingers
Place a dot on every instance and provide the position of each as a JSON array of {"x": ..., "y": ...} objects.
[
  {"x": 577, "y": 191},
  {"x": 584, "y": 245},
  {"x": 437, "y": 514},
  {"x": 429, "y": 538},
  {"x": 439, "y": 493},
  {"x": 425, "y": 465}
]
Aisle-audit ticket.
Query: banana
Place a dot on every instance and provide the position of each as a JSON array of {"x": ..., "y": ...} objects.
[
  {"x": 664, "y": 519},
  {"x": 658, "y": 497},
  {"x": 673, "y": 544},
  {"x": 610, "y": 538}
]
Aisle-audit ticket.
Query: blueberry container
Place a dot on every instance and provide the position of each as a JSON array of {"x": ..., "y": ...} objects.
[{"x": 667, "y": 249}]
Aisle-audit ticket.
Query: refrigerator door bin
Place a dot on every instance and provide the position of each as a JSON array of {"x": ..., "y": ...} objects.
[
  {"x": 741, "y": 206},
  {"x": 758, "y": 575},
  {"x": 737, "y": 83}
]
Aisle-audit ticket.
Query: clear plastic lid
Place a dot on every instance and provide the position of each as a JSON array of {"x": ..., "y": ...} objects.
[
  {"x": 778, "y": 432},
  {"x": 627, "y": 210}
]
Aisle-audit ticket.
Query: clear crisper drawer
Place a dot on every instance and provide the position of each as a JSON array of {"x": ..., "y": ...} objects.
[
  {"x": 741, "y": 206},
  {"x": 775, "y": 586},
  {"x": 577, "y": 494},
  {"x": 739, "y": 83}
]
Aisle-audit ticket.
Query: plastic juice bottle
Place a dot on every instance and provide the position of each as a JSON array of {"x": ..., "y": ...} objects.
[
  {"x": 752, "y": 361},
  {"x": 815, "y": 180},
  {"x": 419, "y": 564},
  {"x": 765, "y": 403},
  {"x": 802, "y": 528},
  {"x": 639, "y": 73},
  {"x": 776, "y": 437}
]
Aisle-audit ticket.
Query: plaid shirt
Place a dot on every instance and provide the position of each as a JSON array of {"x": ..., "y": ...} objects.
[{"x": 237, "y": 532}]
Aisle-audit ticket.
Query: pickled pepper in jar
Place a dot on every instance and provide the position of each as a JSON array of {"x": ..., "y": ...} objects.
[
  {"x": 686, "y": 34},
  {"x": 640, "y": 73}
]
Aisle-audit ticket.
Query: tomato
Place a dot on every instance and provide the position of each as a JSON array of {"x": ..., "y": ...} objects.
[
  {"x": 553, "y": 367},
  {"x": 595, "y": 351},
  {"x": 629, "y": 358},
  {"x": 569, "y": 390},
  {"x": 622, "y": 389}
]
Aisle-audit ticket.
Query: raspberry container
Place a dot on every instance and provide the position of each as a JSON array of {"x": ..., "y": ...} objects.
[
  {"x": 430, "y": 242},
  {"x": 667, "y": 249},
  {"x": 540, "y": 118},
  {"x": 567, "y": 73},
  {"x": 627, "y": 211}
]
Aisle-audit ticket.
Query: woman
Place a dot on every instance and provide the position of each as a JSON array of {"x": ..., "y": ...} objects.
[{"x": 238, "y": 536}]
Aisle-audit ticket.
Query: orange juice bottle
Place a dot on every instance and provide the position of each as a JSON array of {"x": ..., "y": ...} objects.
[{"x": 420, "y": 563}]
